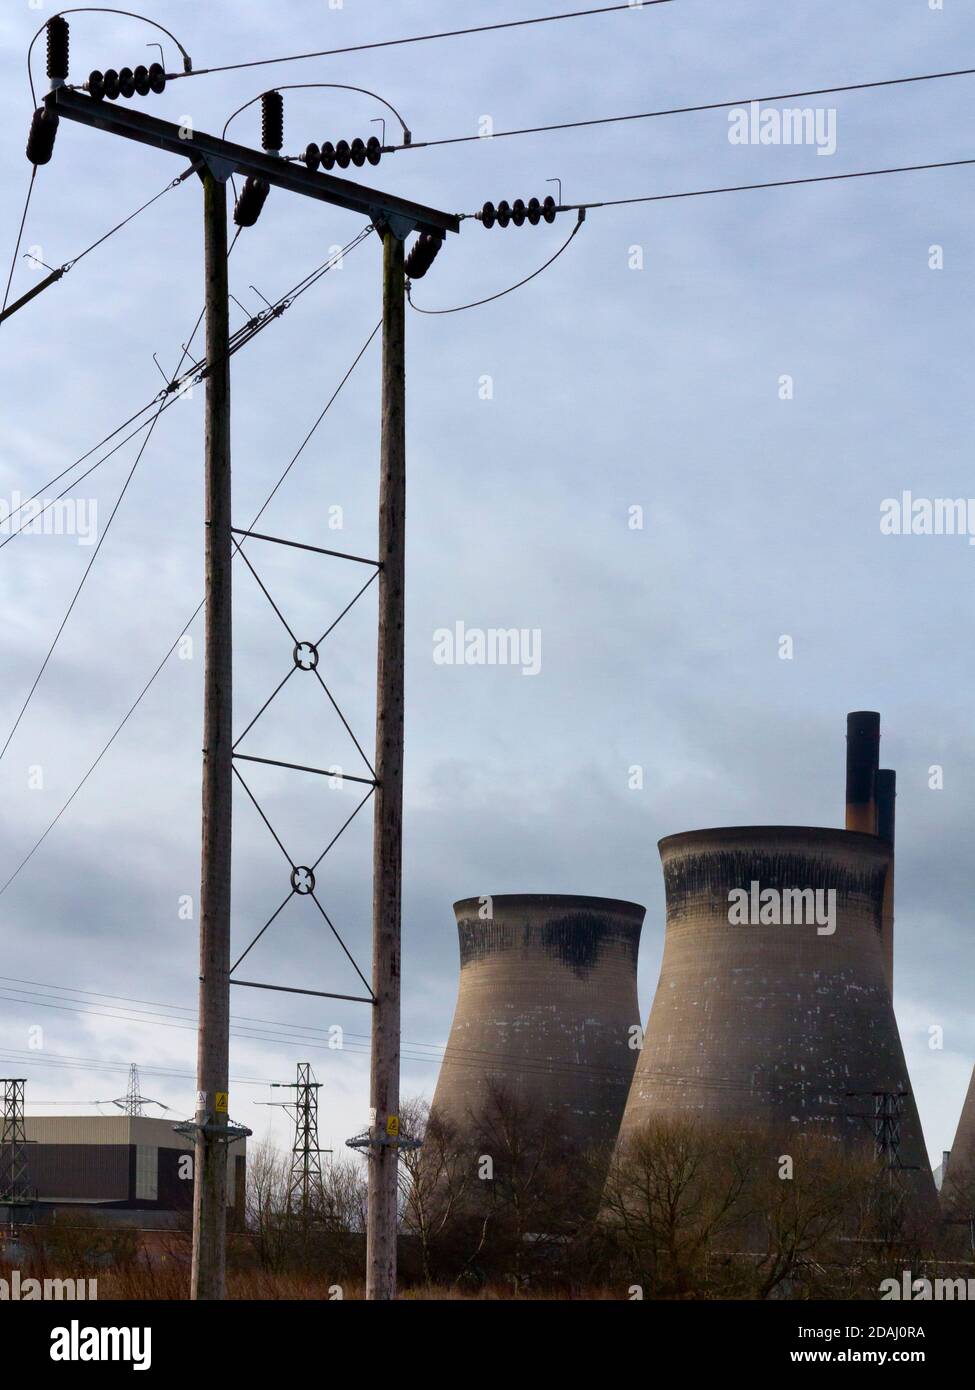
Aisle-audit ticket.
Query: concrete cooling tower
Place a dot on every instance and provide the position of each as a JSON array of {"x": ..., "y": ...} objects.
[
  {"x": 773, "y": 1007},
  {"x": 546, "y": 1006},
  {"x": 958, "y": 1187}
]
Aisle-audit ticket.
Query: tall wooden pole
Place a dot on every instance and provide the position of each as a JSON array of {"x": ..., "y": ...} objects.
[
  {"x": 213, "y": 1053},
  {"x": 388, "y": 818}
]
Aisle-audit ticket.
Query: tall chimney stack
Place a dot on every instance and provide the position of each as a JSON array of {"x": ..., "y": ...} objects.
[
  {"x": 862, "y": 763},
  {"x": 886, "y": 793}
]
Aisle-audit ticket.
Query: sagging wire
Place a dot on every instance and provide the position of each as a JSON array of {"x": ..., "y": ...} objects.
[
  {"x": 305, "y": 284},
  {"x": 102, "y": 9},
  {"x": 475, "y": 304},
  {"x": 177, "y": 386}
]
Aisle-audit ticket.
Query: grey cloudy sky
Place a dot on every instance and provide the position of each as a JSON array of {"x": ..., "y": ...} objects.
[{"x": 611, "y": 387}]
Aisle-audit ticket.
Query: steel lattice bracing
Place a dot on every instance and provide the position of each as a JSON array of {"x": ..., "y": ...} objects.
[
  {"x": 14, "y": 1173},
  {"x": 306, "y": 1192}
]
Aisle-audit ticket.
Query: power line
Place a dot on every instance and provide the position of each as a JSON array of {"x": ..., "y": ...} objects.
[
  {"x": 472, "y": 1058},
  {"x": 71, "y": 1062},
  {"x": 95, "y": 553},
  {"x": 772, "y": 183},
  {"x": 20, "y": 233},
  {"x": 676, "y": 111},
  {"x": 63, "y": 269},
  {"x": 746, "y": 187},
  {"x": 304, "y": 285},
  {"x": 253, "y": 326},
  {"x": 456, "y": 309},
  {"x": 422, "y": 38}
]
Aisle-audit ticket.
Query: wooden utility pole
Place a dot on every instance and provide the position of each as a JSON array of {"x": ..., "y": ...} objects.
[
  {"x": 388, "y": 820},
  {"x": 213, "y": 1052}
]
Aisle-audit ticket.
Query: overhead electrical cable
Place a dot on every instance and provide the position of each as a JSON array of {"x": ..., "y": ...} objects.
[
  {"x": 96, "y": 552},
  {"x": 305, "y": 284},
  {"x": 56, "y": 274},
  {"x": 771, "y": 183},
  {"x": 459, "y": 1056},
  {"x": 675, "y": 111},
  {"x": 457, "y": 308},
  {"x": 20, "y": 233},
  {"x": 423, "y": 38}
]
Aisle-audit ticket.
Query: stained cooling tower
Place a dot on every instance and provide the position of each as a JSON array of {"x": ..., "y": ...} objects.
[
  {"x": 546, "y": 1006},
  {"x": 958, "y": 1187},
  {"x": 773, "y": 1007}
]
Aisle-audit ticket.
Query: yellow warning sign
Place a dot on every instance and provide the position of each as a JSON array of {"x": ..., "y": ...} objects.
[
  {"x": 392, "y": 1126},
  {"x": 222, "y": 1102}
]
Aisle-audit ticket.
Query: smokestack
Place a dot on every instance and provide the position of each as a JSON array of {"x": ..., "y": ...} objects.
[
  {"x": 862, "y": 762},
  {"x": 886, "y": 791}
]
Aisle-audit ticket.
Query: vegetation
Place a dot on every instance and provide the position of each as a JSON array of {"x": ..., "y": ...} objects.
[{"x": 500, "y": 1210}]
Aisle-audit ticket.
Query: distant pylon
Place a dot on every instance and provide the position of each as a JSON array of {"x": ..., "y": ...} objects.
[
  {"x": 306, "y": 1191},
  {"x": 888, "y": 1109},
  {"x": 133, "y": 1103},
  {"x": 14, "y": 1174}
]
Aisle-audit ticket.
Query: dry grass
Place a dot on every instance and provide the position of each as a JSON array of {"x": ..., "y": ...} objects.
[{"x": 172, "y": 1282}]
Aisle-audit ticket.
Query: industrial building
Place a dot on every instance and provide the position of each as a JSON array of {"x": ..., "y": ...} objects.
[
  {"x": 117, "y": 1165},
  {"x": 773, "y": 1007},
  {"x": 547, "y": 1008}
]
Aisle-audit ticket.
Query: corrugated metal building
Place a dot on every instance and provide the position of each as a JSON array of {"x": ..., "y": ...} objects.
[{"x": 119, "y": 1162}]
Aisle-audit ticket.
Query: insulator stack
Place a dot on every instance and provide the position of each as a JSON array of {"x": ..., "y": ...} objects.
[
  {"x": 272, "y": 122},
  {"x": 519, "y": 212},
  {"x": 40, "y": 141},
  {"x": 327, "y": 156},
  {"x": 252, "y": 199},
  {"x": 57, "y": 48},
  {"x": 126, "y": 82},
  {"x": 422, "y": 255}
]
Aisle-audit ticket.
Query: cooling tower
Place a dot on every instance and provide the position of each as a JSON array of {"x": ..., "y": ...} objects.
[
  {"x": 761, "y": 1019},
  {"x": 958, "y": 1188},
  {"x": 546, "y": 1005}
]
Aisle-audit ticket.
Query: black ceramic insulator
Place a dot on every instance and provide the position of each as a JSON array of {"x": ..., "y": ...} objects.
[
  {"x": 272, "y": 122},
  {"x": 252, "y": 199},
  {"x": 57, "y": 48},
  {"x": 40, "y": 141}
]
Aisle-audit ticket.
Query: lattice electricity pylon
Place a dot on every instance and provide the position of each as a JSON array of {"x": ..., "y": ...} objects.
[
  {"x": 888, "y": 1107},
  {"x": 306, "y": 1190},
  {"x": 132, "y": 1102},
  {"x": 15, "y": 1189},
  {"x": 885, "y": 1121},
  {"x": 305, "y": 657}
]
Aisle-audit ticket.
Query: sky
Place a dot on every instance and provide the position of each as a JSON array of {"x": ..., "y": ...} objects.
[{"x": 750, "y": 374}]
